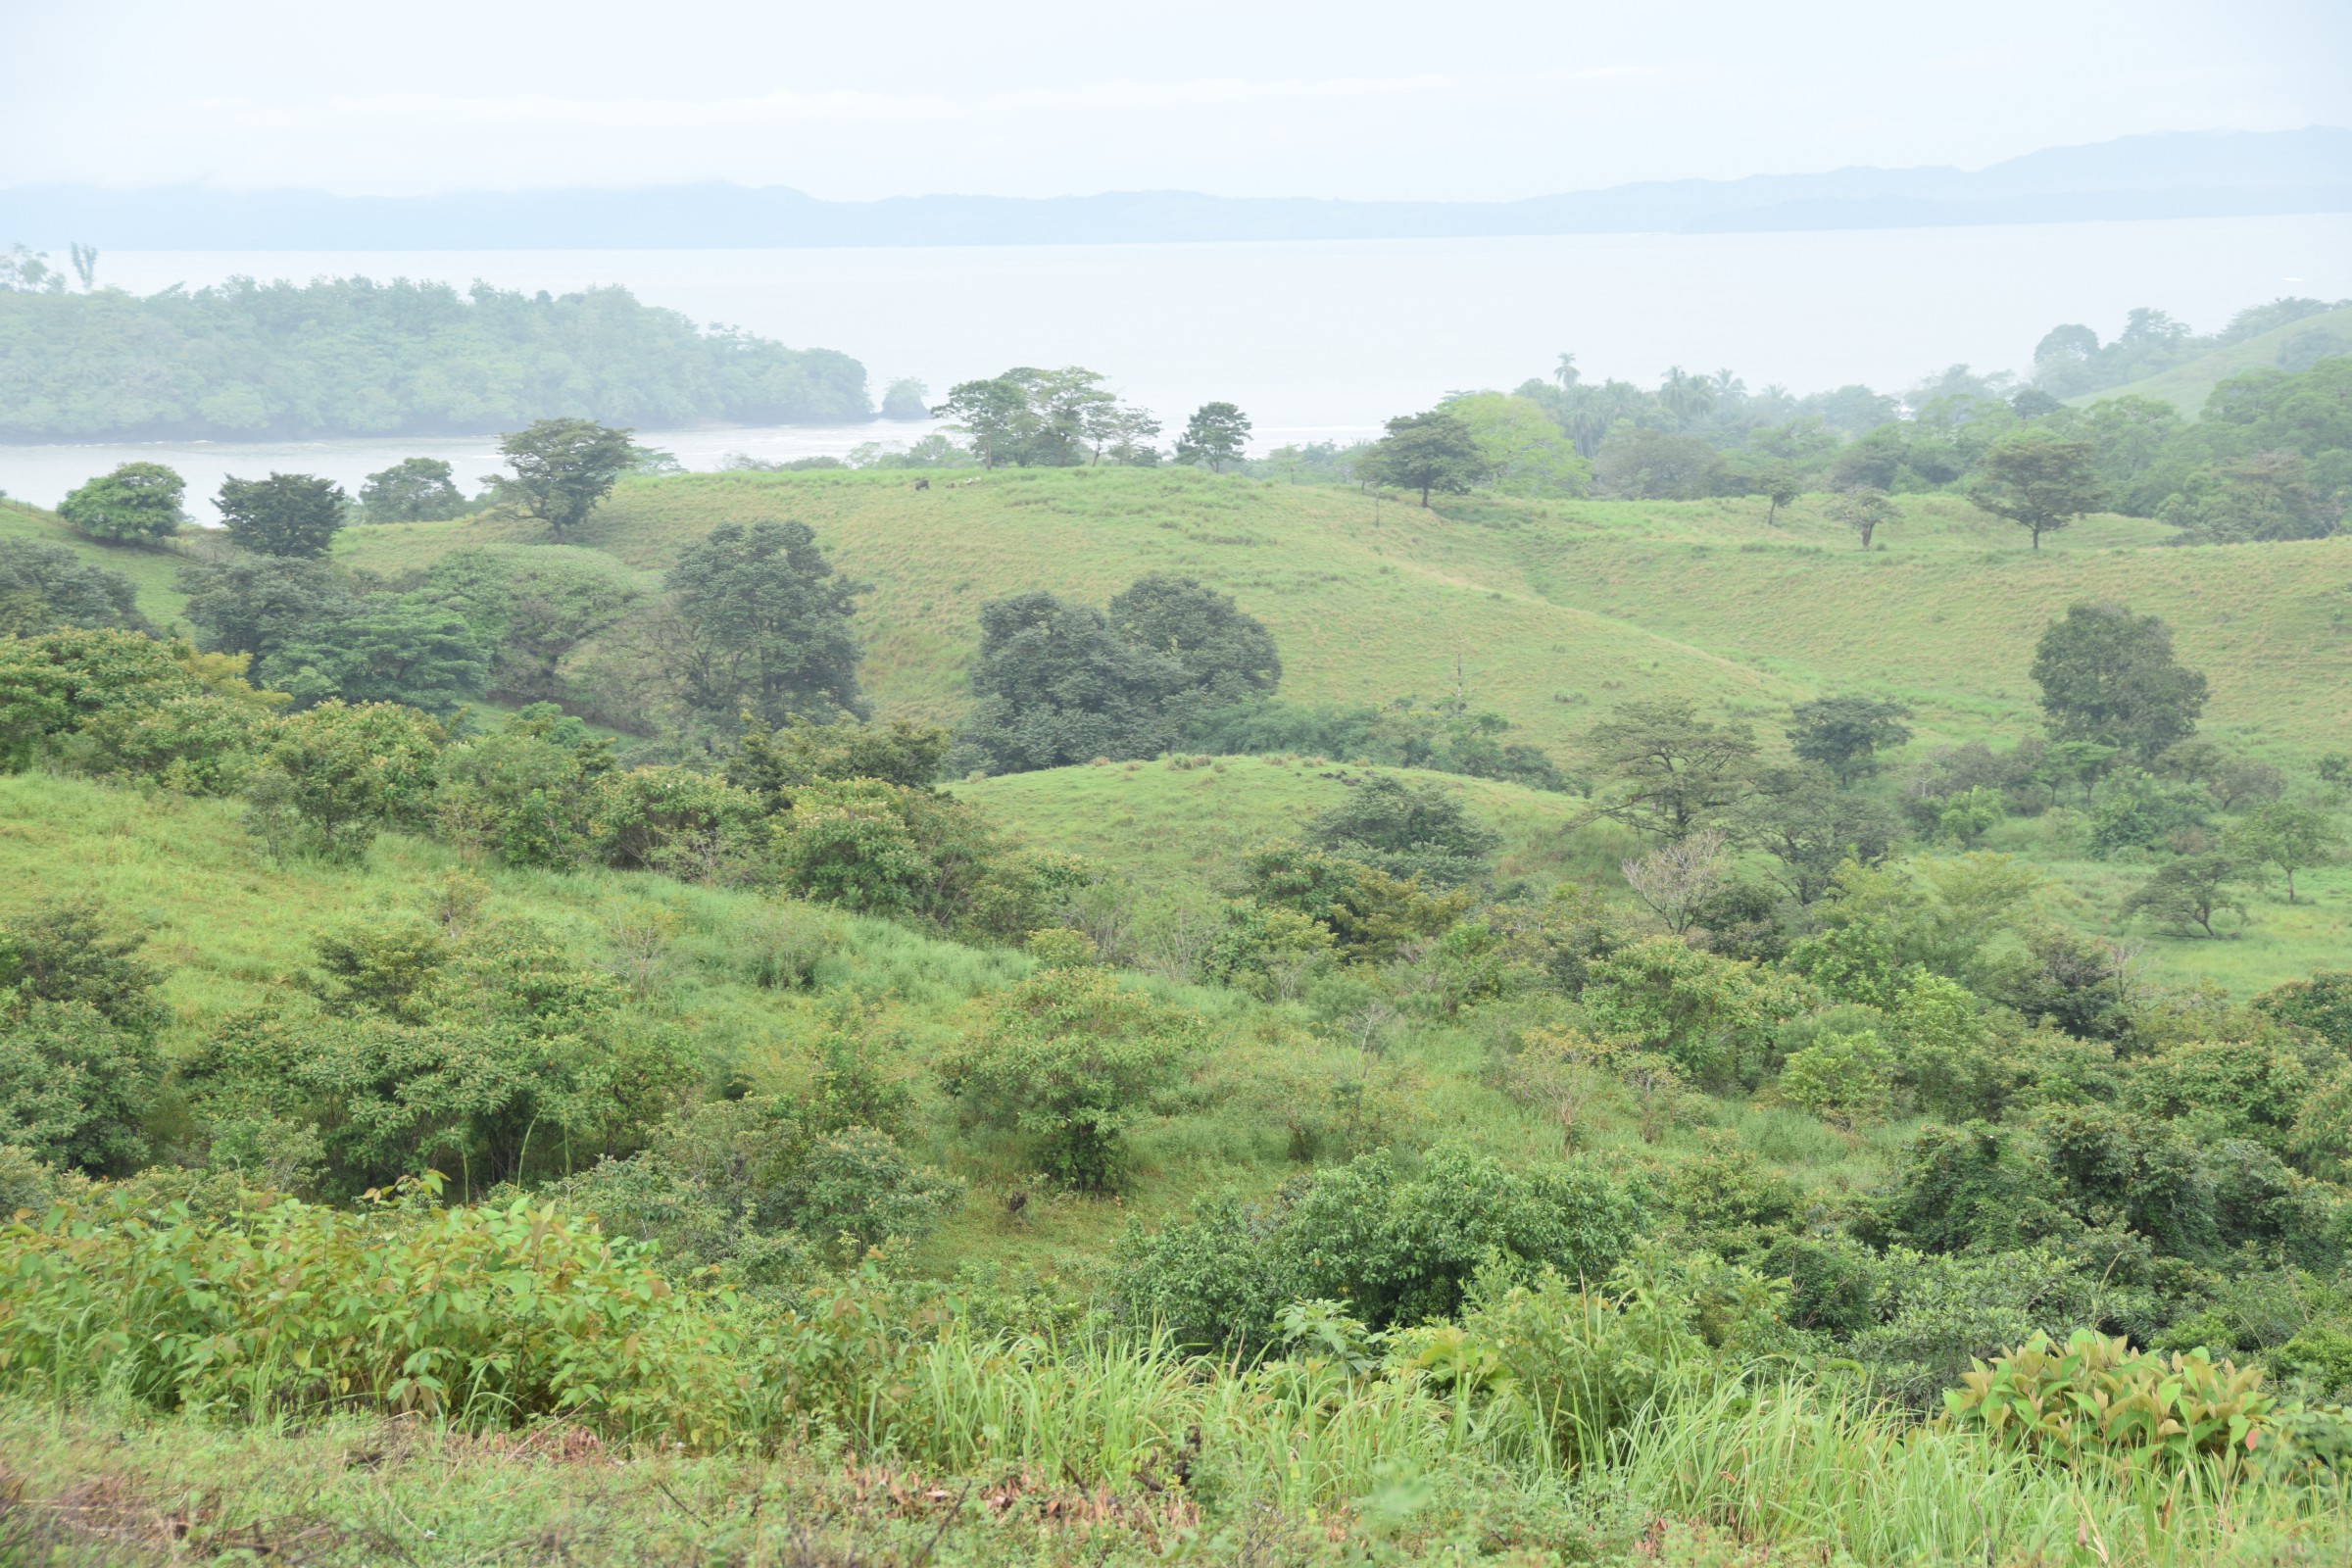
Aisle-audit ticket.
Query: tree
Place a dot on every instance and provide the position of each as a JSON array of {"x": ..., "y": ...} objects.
[
  {"x": 1845, "y": 734},
  {"x": 1426, "y": 452},
  {"x": 767, "y": 623},
  {"x": 292, "y": 516},
  {"x": 1406, "y": 830},
  {"x": 1658, "y": 465},
  {"x": 2109, "y": 676},
  {"x": 336, "y": 774},
  {"x": 1523, "y": 452},
  {"x": 1056, "y": 683},
  {"x": 136, "y": 502},
  {"x": 2266, "y": 497},
  {"x": 2038, "y": 481},
  {"x": 1227, "y": 655},
  {"x": 1072, "y": 1058},
  {"x": 562, "y": 468},
  {"x": 389, "y": 649},
  {"x": 411, "y": 490},
  {"x": 2290, "y": 835},
  {"x": 257, "y": 604},
  {"x": 905, "y": 400},
  {"x": 2189, "y": 891},
  {"x": 1780, "y": 483},
  {"x": 1674, "y": 771},
  {"x": 534, "y": 604},
  {"x": 1215, "y": 436},
  {"x": 1801, "y": 818},
  {"x": 1676, "y": 879},
  {"x": 45, "y": 588},
  {"x": 1863, "y": 510},
  {"x": 993, "y": 412}
]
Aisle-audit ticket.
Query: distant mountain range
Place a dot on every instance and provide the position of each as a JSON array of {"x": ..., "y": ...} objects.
[{"x": 2177, "y": 174}]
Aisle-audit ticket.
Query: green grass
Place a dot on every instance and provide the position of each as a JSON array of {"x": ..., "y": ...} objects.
[
  {"x": 1549, "y": 613},
  {"x": 2187, "y": 386}
]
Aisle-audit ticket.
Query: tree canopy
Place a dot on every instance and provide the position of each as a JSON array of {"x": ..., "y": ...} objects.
[
  {"x": 293, "y": 516},
  {"x": 2110, "y": 676},
  {"x": 136, "y": 503}
]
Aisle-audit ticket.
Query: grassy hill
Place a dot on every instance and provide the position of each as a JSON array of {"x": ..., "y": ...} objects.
[
  {"x": 2187, "y": 386},
  {"x": 1548, "y": 613},
  {"x": 152, "y": 569}
]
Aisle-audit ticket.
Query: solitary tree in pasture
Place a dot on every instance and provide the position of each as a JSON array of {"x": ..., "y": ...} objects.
[
  {"x": 411, "y": 490},
  {"x": 1215, "y": 436},
  {"x": 1844, "y": 734},
  {"x": 1674, "y": 772},
  {"x": 1426, "y": 452},
  {"x": 2109, "y": 676},
  {"x": 2290, "y": 835},
  {"x": 562, "y": 468},
  {"x": 2038, "y": 481},
  {"x": 1863, "y": 510}
]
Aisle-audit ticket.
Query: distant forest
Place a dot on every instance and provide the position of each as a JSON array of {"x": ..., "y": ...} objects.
[{"x": 345, "y": 357}]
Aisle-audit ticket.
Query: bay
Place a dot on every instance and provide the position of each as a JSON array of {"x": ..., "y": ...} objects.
[{"x": 1325, "y": 339}]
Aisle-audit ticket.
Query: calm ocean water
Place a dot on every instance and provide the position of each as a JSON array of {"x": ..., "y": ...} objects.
[{"x": 1328, "y": 339}]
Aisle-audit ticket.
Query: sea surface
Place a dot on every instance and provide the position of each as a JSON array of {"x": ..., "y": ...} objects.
[{"x": 1325, "y": 339}]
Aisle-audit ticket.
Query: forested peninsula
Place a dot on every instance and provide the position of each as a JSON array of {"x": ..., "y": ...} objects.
[{"x": 349, "y": 357}]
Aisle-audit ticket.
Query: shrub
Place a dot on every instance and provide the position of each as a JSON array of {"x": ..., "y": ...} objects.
[
  {"x": 46, "y": 588},
  {"x": 138, "y": 502},
  {"x": 1708, "y": 1015},
  {"x": 331, "y": 776},
  {"x": 1844, "y": 1078},
  {"x": 1072, "y": 1059},
  {"x": 74, "y": 1088},
  {"x": 51, "y": 685}
]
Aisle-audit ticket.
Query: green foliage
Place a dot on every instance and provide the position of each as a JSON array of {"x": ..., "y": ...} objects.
[
  {"x": 1434, "y": 453},
  {"x": 2038, "y": 481},
  {"x": 289, "y": 516},
  {"x": 2188, "y": 892},
  {"x": 2262, "y": 498},
  {"x": 1842, "y": 1078},
  {"x": 773, "y": 763},
  {"x": 1058, "y": 683},
  {"x": 1397, "y": 1248},
  {"x": 1845, "y": 734},
  {"x": 2108, "y": 675},
  {"x": 404, "y": 650},
  {"x": 75, "y": 1086},
  {"x": 1070, "y": 1060},
  {"x": 1406, "y": 830},
  {"x": 331, "y": 776},
  {"x": 411, "y": 490},
  {"x": 136, "y": 502},
  {"x": 346, "y": 357},
  {"x": 562, "y": 468},
  {"x": 1370, "y": 915},
  {"x": 534, "y": 605},
  {"x": 1711, "y": 1016},
  {"x": 1521, "y": 451},
  {"x": 882, "y": 849},
  {"x": 2321, "y": 1004},
  {"x": 46, "y": 588},
  {"x": 53, "y": 684},
  {"x": 1672, "y": 771},
  {"x": 1215, "y": 436},
  {"x": 1658, "y": 465},
  {"x": 2097, "y": 1398},
  {"x": 768, "y": 625}
]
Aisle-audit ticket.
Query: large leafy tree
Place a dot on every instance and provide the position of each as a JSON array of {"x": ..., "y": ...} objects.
[
  {"x": 291, "y": 514},
  {"x": 138, "y": 502},
  {"x": 257, "y": 604},
  {"x": 562, "y": 468},
  {"x": 1671, "y": 771},
  {"x": 411, "y": 490},
  {"x": 1845, "y": 734},
  {"x": 995, "y": 414},
  {"x": 1056, "y": 683},
  {"x": 1226, "y": 655},
  {"x": 2038, "y": 481},
  {"x": 1431, "y": 452},
  {"x": 536, "y": 604},
  {"x": 768, "y": 625},
  {"x": 1215, "y": 436},
  {"x": 2110, "y": 676},
  {"x": 390, "y": 649}
]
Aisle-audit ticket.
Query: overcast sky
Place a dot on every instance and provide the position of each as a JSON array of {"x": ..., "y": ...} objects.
[{"x": 1464, "y": 99}]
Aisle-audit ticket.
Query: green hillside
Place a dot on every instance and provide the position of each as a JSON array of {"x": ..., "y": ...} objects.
[
  {"x": 2187, "y": 386},
  {"x": 1550, "y": 611},
  {"x": 152, "y": 571}
]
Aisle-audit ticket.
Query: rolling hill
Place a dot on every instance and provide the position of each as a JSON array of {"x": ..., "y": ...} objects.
[{"x": 2187, "y": 386}]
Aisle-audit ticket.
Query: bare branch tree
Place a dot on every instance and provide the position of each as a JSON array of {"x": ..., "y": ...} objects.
[{"x": 1675, "y": 879}]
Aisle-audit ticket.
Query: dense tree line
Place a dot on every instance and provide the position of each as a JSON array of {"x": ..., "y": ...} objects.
[{"x": 247, "y": 360}]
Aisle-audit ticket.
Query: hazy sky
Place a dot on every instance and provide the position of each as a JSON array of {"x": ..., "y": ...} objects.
[{"x": 1470, "y": 98}]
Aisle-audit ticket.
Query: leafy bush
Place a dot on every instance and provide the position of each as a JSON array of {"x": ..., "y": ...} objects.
[
  {"x": 1709, "y": 1015},
  {"x": 46, "y": 588},
  {"x": 74, "y": 1088},
  {"x": 1406, "y": 830},
  {"x": 1844, "y": 1078},
  {"x": 1397, "y": 1248},
  {"x": 332, "y": 776},
  {"x": 52, "y": 684},
  {"x": 1072, "y": 1059}
]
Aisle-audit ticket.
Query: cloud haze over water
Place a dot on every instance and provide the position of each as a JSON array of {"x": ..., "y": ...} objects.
[{"x": 1481, "y": 101}]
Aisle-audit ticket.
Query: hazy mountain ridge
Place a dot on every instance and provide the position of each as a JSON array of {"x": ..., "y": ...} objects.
[{"x": 2175, "y": 175}]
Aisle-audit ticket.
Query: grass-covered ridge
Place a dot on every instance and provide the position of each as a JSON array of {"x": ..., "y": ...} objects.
[{"x": 1548, "y": 611}]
